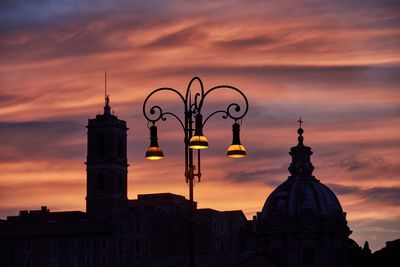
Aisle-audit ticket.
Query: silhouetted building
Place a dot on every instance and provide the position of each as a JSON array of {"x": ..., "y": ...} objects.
[
  {"x": 362, "y": 257},
  {"x": 301, "y": 224},
  {"x": 107, "y": 165},
  {"x": 151, "y": 230}
]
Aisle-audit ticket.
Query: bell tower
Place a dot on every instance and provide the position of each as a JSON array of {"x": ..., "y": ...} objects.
[{"x": 107, "y": 164}]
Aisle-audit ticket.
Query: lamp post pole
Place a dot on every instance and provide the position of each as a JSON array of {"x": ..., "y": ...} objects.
[{"x": 193, "y": 137}]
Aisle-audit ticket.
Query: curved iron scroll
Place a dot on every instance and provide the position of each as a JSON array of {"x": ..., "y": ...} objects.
[
  {"x": 156, "y": 113},
  {"x": 234, "y": 110}
]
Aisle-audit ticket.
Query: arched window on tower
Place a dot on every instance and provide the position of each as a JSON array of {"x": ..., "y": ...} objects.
[
  {"x": 100, "y": 181},
  {"x": 120, "y": 148},
  {"x": 101, "y": 146},
  {"x": 120, "y": 182}
]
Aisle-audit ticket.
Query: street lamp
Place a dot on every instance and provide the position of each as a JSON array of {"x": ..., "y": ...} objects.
[
  {"x": 196, "y": 140},
  {"x": 154, "y": 152}
]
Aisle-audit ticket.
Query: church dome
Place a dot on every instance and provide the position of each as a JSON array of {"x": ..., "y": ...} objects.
[{"x": 302, "y": 200}]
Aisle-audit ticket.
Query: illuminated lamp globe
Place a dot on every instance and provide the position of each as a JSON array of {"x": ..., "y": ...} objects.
[
  {"x": 198, "y": 141},
  {"x": 236, "y": 150},
  {"x": 154, "y": 152}
]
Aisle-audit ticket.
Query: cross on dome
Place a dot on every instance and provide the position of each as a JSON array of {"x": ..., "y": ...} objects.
[{"x": 300, "y": 122}]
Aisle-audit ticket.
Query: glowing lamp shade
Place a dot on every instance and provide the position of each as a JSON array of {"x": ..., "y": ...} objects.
[
  {"x": 198, "y": 141},
  {"x": 236, "y": 150},
  {"x": 154, "y": 152}
]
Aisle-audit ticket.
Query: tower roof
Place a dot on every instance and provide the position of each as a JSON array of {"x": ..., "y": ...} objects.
[{"x": 107, "y": 119}]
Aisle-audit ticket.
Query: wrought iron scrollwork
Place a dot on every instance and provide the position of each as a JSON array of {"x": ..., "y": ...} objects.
[
  {"x": 156, "y": 113},
  {"x": 234, "y": 110}
]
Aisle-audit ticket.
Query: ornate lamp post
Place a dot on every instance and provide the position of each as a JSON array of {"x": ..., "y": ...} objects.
[{"x": 194, "y": 138}]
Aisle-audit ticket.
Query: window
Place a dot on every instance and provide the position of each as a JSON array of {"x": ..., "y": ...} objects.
[
  {"x": 138, "y": 249},
  {"x": 53, "y": 262},
  {"x": 120, "y": 182},
  {"x": 104, "y": 244},
  {"x": 53, "y": 246},
  {"x": 103, "y": 259},
  {"x": 308, "y": 256},
  {"x": 100, "y": 146},
  {"x": 120, "y": 148},
  {"x": 138, "y": 228},
  {"x": 88, "y": 261},
  {"x": 215, "y": 243},
  {"x": 100, "y": 181},
  {"x": 88, "y": 244},
  {"x": 28, "y": 263},
  {"x": 28, "y": 246},
  {"x": 73, "y": 244},
  {"x": 6, "y": 247},
  {"x": 152, "y": 246},
  {"x": 120, "y": 248},
  {"x": 237, "y": 246},
  {"x": 73, "y": 262}
]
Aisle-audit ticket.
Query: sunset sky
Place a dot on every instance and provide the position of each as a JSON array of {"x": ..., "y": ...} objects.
[{"x": 335, "y": 63}]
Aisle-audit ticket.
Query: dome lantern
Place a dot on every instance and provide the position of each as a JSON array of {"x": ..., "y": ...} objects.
[{"x": 301, "y": 166}]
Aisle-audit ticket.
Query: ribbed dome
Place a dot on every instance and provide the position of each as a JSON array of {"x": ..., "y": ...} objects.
[
  {"x": 302, "y": 200},
  {"x": 297, "y": 197}
]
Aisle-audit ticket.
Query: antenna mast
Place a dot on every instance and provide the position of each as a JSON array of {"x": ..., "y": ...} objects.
[{"x": 105, "y": 84}]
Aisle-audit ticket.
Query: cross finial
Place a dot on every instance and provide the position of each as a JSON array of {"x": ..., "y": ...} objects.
[{"x": 300, "y": 122}]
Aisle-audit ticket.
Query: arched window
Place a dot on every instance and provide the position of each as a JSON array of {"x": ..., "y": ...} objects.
[
  {"x": 120, "y": 182},
  {"x": 100, "y": 181},
  {"x": 101, "y": 146},
  {"x": 120, "y": 148}
]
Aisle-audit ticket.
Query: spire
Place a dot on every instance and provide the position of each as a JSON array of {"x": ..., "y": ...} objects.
[
  {"x": 300, "y": 131},
  {"x": 107, "y": 108},
  {"x": 301, "y": 166}
]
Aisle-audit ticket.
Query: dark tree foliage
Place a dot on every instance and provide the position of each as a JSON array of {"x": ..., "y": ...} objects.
[{"x": 362, "y": 257}]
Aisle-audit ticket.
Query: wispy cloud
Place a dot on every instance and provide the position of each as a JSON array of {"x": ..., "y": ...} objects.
[
  {"x": 41, "y": 141},
  {"x": 377, "y": 195}
]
